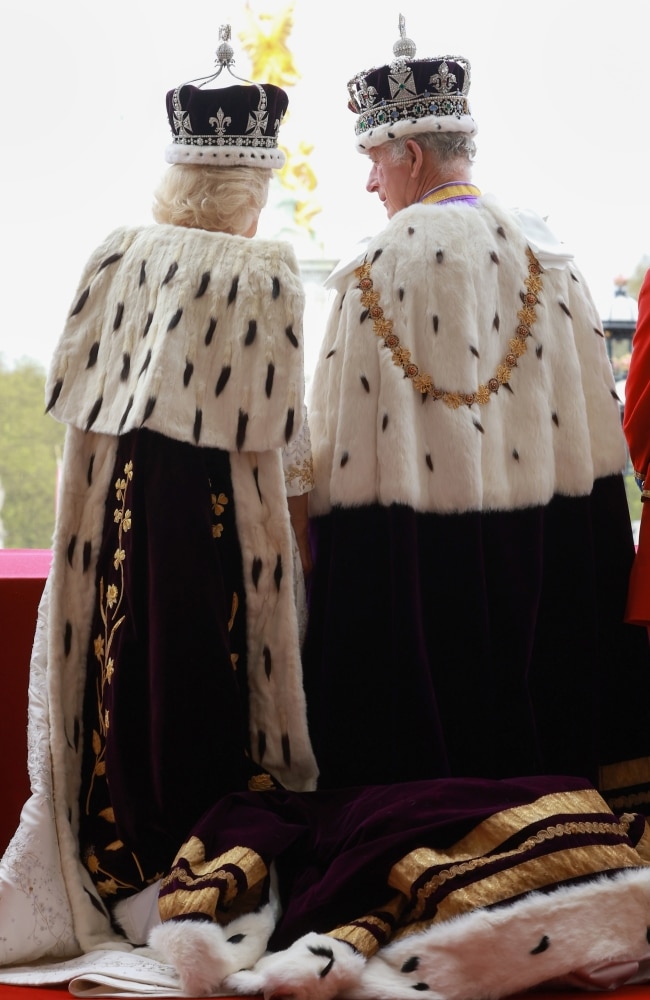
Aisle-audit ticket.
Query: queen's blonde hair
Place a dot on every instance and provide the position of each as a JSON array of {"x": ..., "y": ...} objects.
[{"x": 219, "y": 199}]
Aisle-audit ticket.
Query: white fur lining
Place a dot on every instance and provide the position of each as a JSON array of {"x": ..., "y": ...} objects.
[
  {"x": 499, "y": 952},
  {"x": 315, "y": 967},
  {"x": 198, "y": 335},
  {"x": 204, "y": 954},
  {"x": 582, "y": 934},
  {"x": 226, "y": 156}
]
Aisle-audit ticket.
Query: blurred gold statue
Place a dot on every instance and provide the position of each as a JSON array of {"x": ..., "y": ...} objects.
[
  {"x": 297, "y": 172},
  {"x": 265, "y": 41}
]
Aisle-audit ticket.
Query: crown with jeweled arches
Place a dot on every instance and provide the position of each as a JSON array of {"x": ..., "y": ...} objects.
[
  {"x": 236, "y": 125},
  {"x": 410, "y": 95}
]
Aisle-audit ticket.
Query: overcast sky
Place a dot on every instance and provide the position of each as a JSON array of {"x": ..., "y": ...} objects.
[{"x": 559, "y": 90}]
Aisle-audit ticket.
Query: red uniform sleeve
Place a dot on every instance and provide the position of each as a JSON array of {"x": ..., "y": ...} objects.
[{"x": 636, "y": 420}]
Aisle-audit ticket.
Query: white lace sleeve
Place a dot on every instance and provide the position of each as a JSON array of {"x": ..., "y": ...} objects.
[{"x": 297, "y": 462}]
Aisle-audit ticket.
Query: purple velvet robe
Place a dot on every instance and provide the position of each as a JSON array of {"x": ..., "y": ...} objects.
[{"x": 478, "y": 644}]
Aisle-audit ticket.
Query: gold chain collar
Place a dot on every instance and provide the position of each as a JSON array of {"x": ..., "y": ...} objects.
[{"x": 424, "y": 383}]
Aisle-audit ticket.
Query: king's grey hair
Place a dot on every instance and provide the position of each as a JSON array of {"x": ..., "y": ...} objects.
[{"x": 446, "y": 146}]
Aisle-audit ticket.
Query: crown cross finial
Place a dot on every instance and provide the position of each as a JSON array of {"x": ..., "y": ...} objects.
[
  {"x": 225, "y": 51},
  {"x": 404, "y": 48}
]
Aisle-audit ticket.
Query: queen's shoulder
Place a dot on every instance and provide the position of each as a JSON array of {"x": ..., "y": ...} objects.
[{"x": 185, "y": 243}]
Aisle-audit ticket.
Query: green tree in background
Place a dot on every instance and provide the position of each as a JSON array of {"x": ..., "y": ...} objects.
[{"x": 31, "y": 443}]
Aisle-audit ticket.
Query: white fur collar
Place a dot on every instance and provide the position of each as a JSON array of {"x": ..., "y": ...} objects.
[
  {"x": 197, "y": 335},
  {"x": 451, "y": 282}
]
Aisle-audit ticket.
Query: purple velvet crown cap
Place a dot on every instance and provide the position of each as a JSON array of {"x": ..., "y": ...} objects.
[
  {"x": 410, "y": 95},
  {"x": 226, "y": 126}
]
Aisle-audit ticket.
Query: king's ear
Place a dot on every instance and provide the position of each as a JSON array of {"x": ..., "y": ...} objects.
[{"x": 416, "y": 155}]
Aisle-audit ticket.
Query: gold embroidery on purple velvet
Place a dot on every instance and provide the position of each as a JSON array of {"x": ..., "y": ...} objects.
[
  {"x": 633, "y": 800},
  {"x": 625, "y": 784},
  {"x": 422, "y": 381},
  {"x": 218, "y": 504},
  {"x": 373, "y": 930},
  {"x": 261, "y": 783},
  {"x": 564, "y": 859},
  {"x": 220, "y": 888},
  {"x": 234, "y": 657},
  {"x": 110, "y": 603}
]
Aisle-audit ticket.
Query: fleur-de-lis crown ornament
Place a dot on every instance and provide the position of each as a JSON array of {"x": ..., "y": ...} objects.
[
  {"x": 410, "y": 95},
  {"x": 226, "y": 126}
]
